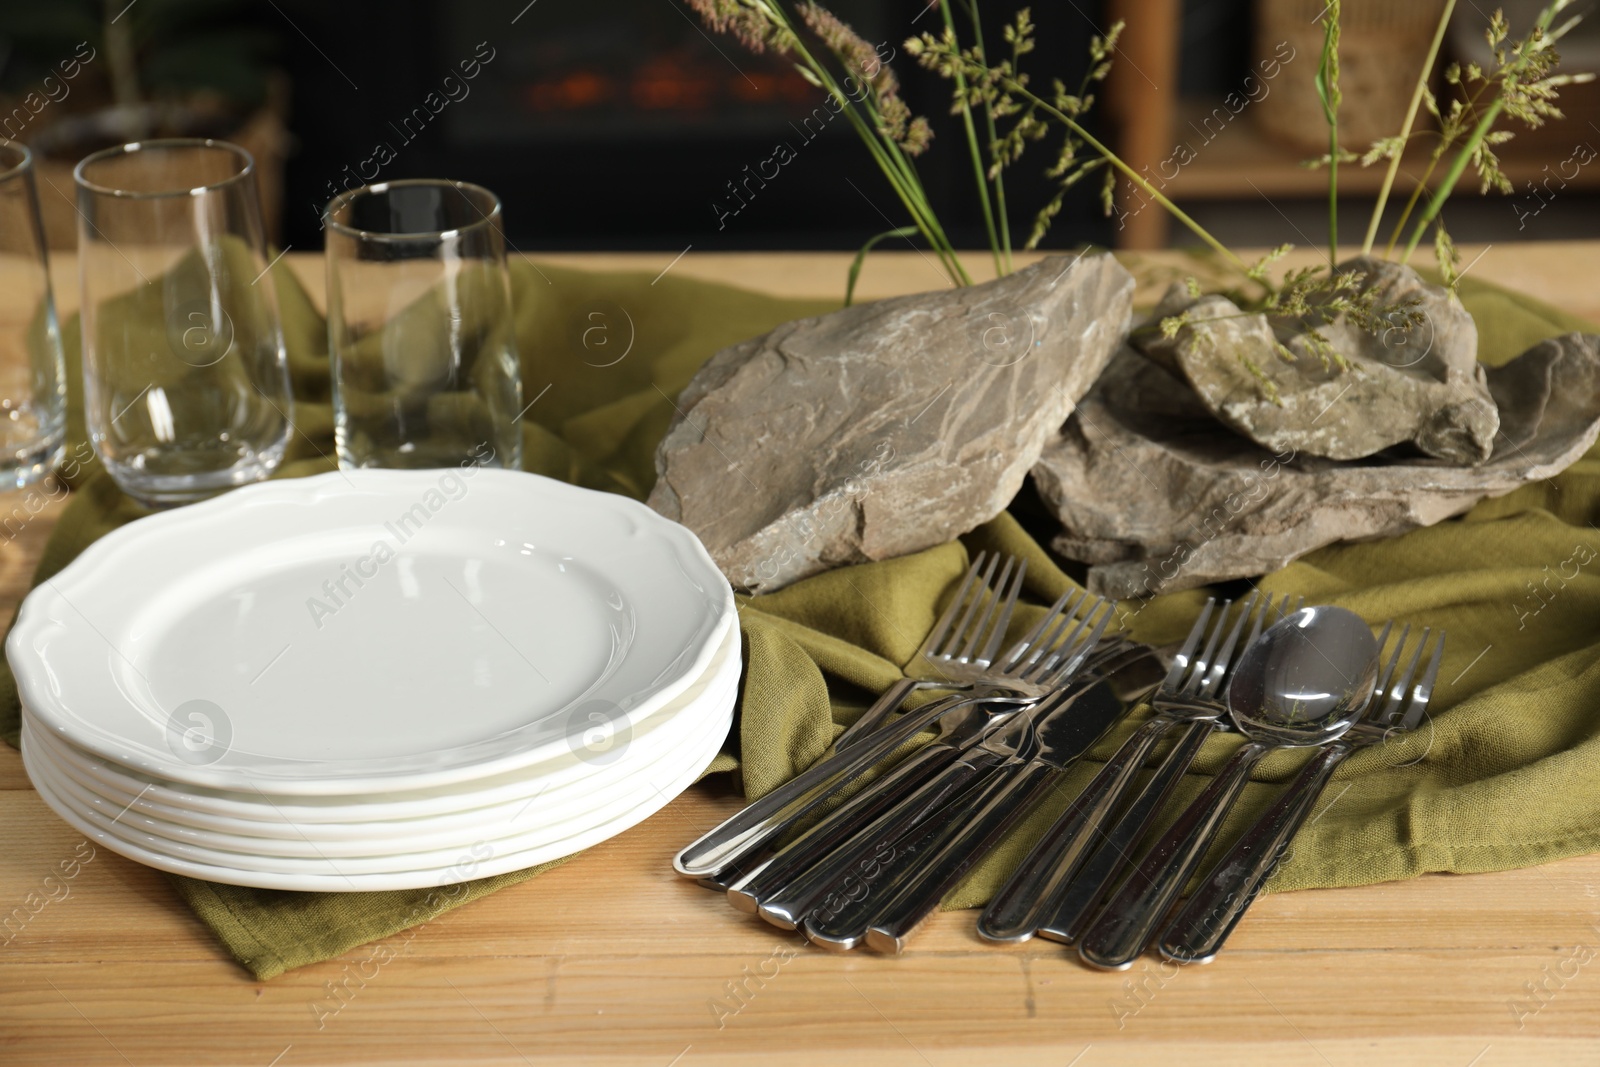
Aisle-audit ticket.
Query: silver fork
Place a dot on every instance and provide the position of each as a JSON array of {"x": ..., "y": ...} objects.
[
  {"x": 959, "y": 653},
  {"x": 1024, "y": 674},
  {"x": 1191, "y": 698},
  {"x": 1186, "y": 694},
  {"x": 785, "y": 889},
  {"x": 959, "y": 731},
  {"x": 1209, "y": 916}
]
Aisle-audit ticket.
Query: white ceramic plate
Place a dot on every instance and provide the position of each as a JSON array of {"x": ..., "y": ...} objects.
[
  {"x": 479, "y": 859},
  {"x": 345, "y": 818},
  {"x": 536, "y": 818},
  {"x": 368, "y": 630}
]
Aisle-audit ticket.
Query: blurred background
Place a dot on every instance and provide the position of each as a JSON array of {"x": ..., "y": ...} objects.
[{"x": 623, "y": 124}]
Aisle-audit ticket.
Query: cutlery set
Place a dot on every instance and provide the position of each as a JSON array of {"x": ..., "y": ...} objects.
[{"x": 851, "y": 859}]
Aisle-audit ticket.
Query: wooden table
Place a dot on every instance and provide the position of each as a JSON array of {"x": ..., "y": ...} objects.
[{"x": 612, "y": 959}]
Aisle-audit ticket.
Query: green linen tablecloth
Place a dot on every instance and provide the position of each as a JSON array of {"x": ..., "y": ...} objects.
[{"x": 1505, "y": 774}]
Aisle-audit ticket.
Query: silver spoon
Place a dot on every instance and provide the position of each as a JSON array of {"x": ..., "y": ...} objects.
[{"x": 1304, "y": 682}]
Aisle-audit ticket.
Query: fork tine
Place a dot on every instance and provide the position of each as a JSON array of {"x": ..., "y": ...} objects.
[
  {"x": 1260, "y": 623},
  {"x": 1015, "y": 656},
  {"x": 1085, "y": 645},
  {"x": 958, "y": 635},
  {"x": 949, "y": 616},
  {"x": 1067, "y": 648},
  {"x": 1397, "y": 691},
  {"x": 1370, "y": 709},
  {"x": 1384, "y": 679},
  {"x": 986, "y": 619},
  {"x": 1218, "y": 667},
  {"x": 1044, "y": 647},
  {"x": 1202, "y": 665},
  {"x": 1180, "y": 662},
  {"x": 998, "y": 629},
  {"x": 1424, "y": 690},
  {"x": 1052, "y": 646}
]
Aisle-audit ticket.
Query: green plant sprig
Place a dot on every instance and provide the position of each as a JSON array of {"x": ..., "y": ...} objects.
[
  {"x": 1327, "y": 84},
  {"x": 1393, "y": 147},
  {"x": 1008, "y": 90},
  {"x": 1525, "y": 87},
  {"x": 878, "y": 116}
]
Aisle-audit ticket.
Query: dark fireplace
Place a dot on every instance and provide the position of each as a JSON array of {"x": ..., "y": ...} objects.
[{"x": 624, "y": 125}]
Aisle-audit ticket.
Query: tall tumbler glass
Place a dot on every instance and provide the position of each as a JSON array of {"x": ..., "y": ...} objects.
[
  {"x": 33, "y": 386},
  {"x": 420, "y": 329},
  {"x": 186, "y": 381}
]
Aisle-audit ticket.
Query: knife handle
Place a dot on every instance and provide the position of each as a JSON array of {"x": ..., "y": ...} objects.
[
  {"x": 1205, "y": 922},
  {"x": 748, "y": 831},
  {"x": 1128, "y": 922},
  {"x": 971, "y": 832},
  {"x": 841, "y": 907},
  {"x": 1013, "y": 913},
  {"x": 1067, "y": 916},
  {"x": 848, "y": 869},
  {"x": 777, "y": 882}
]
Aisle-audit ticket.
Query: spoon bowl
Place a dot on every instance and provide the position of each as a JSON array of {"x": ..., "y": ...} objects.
[{"x": 1307, "y": 680}]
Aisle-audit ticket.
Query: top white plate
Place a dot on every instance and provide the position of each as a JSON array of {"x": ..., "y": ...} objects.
[{"x": 369, "y": 629}]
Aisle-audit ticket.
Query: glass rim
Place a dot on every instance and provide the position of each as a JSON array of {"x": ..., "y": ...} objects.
[
  {"x": 238, "y": 152},
  {"x": 350, "y": 195},
  {"x": 23, "y": 165}
]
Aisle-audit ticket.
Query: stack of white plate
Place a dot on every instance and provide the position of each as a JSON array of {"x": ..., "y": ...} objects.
[{"x": 376, "y": 679}]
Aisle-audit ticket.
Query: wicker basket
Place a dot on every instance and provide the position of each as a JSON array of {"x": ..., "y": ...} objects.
[{"x": 1382, "y": 47}]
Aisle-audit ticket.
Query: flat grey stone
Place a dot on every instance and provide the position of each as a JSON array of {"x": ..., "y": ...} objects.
[
  {"x": 1420, "y": 384},
  {"x": 885, "y": 428},
  {"x": 1157, "y": 496}
]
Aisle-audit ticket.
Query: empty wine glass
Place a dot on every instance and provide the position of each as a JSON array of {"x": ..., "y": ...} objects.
[
  {"x": 186, "y": 381},
  {"x": 420, "y": 330},
  {"x": 33, "y": 390}
]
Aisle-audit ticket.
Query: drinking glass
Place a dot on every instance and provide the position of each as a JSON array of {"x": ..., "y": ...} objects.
[
  {"x": 420, "y": 330},
  {"x": 33, "y": 386},
  {"x": 186, "y": 382}
]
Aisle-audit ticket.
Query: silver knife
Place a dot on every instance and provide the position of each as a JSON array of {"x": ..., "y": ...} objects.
[
  {"x": 1058, "y": 741},
  {"x": 919, "y": 858}
]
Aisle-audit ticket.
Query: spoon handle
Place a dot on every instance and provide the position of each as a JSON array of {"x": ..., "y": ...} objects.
[
  {"x": 1075, "y": 901},
  {"x": 1205, "y": 922},
  {"x": 1129, "y": 920}
]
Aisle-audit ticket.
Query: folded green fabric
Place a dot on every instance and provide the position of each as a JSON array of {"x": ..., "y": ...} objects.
[{"x": 1503, "y": 774}]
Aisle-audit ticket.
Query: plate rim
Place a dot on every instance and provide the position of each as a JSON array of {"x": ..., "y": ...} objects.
[{"x": 52, "y": 713}]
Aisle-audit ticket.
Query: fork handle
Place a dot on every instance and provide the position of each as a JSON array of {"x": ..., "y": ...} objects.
[
  {"x": 845, "y": 867},
  {"x": 1205, "y": 922},
  {"x": 1130, "y": 918},
  {"x": 881, "y": 709},
  {"x": 748, "y": 831},
  {"x": 847, "y": 906},
  {"x": 731, "y": 874},
  {"x": 789, "y": 882},
  {"x": 1076, "y": 900},
  {"x": 971, "y": 834},
  {"x": 1013, "y": 913}
]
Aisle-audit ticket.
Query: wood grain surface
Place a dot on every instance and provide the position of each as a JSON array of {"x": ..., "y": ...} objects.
[{"x": 612, "y": 959}]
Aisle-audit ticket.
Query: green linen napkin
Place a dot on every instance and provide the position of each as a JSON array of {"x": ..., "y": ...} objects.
[{"x": 1503, "y": 774}]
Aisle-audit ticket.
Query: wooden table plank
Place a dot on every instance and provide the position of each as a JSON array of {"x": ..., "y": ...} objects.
[{"x": 611, "y": 959}]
